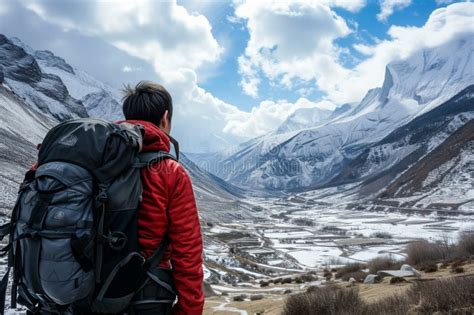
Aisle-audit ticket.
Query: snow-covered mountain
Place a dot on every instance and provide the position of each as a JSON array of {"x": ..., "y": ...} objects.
[
  {"x": 443, "y": 178},
  {"x": 45, "y": 91},
  {"x": 313, "y": 157},
  {"x": 98, "y": 98},
  {"x": 304, "y": 118},
  {"x": 383, "y": 162},
  {"x": 38, "y": 89}
]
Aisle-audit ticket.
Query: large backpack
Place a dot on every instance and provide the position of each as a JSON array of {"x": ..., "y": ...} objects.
[{"x": 73, "y": 231}]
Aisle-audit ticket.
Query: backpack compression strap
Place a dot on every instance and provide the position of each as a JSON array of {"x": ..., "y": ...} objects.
[{"x": 148, "y": 158}]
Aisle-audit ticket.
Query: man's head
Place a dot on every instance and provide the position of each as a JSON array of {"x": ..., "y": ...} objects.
[{"x": 148, "y": 101}]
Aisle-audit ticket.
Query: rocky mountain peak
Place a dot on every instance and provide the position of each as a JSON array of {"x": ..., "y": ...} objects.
[{"x": 51, "y": 60}]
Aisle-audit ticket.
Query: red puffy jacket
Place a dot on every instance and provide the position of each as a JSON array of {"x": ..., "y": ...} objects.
[{"x": 169, "y": 206}]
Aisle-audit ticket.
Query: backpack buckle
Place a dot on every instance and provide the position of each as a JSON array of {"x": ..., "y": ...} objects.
[
  {"x": 103, "y": 194},
  {"x": 116, "y": 240}
]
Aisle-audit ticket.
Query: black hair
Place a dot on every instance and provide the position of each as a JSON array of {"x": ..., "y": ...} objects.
[{"x": 148, "y": 101}]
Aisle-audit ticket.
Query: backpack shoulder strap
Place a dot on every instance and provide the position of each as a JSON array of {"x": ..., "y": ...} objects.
[
  {"x": 158, "y": 254},
  {"x": 147, "y": 158}
]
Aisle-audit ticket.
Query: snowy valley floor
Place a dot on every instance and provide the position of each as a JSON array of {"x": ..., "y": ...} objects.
[{"x": 296, "y": 235}]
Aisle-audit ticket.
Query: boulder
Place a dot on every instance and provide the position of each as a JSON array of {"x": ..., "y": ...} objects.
[
  {"x": 395, "y": 273},
  {"x": 406, "y": 267},
  {"x": 370, "y": 279},
  {"x": 2, "y": 76},
  {"x": 405, "y": 271}
]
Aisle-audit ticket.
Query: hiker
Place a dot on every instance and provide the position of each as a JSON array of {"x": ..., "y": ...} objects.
[
  {"x": 106, "y": 221},
  {"x": 168, "y": 204}
]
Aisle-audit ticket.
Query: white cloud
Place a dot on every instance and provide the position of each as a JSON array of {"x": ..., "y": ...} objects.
[
  {"x": 349, "y": 5},
  {"x": 4, "y": 8},
  {"x": 275, "y": 52},
  {"x": 387, "y": 7},
  {"x": 160, "y": 32},
  {"x": 177, "y": 44},
  {"x": 267, "y": 116},
  {"x": 289, "y": 40},
  {"x": 443, "y": 25}
]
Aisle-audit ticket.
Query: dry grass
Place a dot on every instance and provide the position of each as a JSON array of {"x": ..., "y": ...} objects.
[
  {"x": 442, "y": 296},
  {"x": 397, "y": 304},
  {"x": 328, "y": 300}
]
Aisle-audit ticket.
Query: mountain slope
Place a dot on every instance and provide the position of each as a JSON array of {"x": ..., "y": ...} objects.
[
  {"x": 38, "y": 89},
  {"x": 304, "y": 118},
  {"x": 45, "y": 91},
  {"x": 313, "y": 157},
  {"x": 217, "y": 200},
  {"x": 21, "y": 129},
  {"x": 382, "y": 162},
  {"x": 99, "y": 99},
  {"x": 442, "y": 178}
]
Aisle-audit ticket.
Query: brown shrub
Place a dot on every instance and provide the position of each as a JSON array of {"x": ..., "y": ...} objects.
[
  {"x": 445, "y": 295},
  {"x": 444, "y": 265},
  {"x": 256, "y": 297},
  {"x": 383, "y": 263},
  {"x": 466, "y": 243},
  {"x": 395, "y": 280},
  {"x": 423, "y": 251},
  {"x": 429, "y": 267},
  {"x": 239, "y": 298},
  {"x": 350, "y": 268},
  {"x": 458, "y": 263},
  {"x": 264, "y": 284},
  {"x": 381, "y": 234},
  {"x": 308, "y": 277},
  {"x": 327, "y": 275},
  {"x": 286, "y": 280},
  {"x": 457, "y": 270},
  {"x": 449, "y": 296},
  {"x": 327, "y": 300},
  {"x": 357, "y": 275}
]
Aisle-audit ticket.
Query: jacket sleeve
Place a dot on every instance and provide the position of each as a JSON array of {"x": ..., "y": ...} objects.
[{"x": 186, "y": 246}]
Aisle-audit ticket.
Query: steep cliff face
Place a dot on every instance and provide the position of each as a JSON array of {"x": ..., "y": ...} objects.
[{"x": 45, "y": 91}]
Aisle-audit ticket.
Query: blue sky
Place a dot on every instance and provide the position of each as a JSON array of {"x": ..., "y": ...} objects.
[
  {"x": 223, "y": 79},
  {"x": 237, "y": 69}
]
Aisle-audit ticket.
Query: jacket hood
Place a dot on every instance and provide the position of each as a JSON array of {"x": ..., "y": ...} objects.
[{"x": 154, "y": 139}]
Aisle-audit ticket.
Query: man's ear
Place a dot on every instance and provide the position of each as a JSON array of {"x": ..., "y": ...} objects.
[{"x": 165, "y": 123}]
